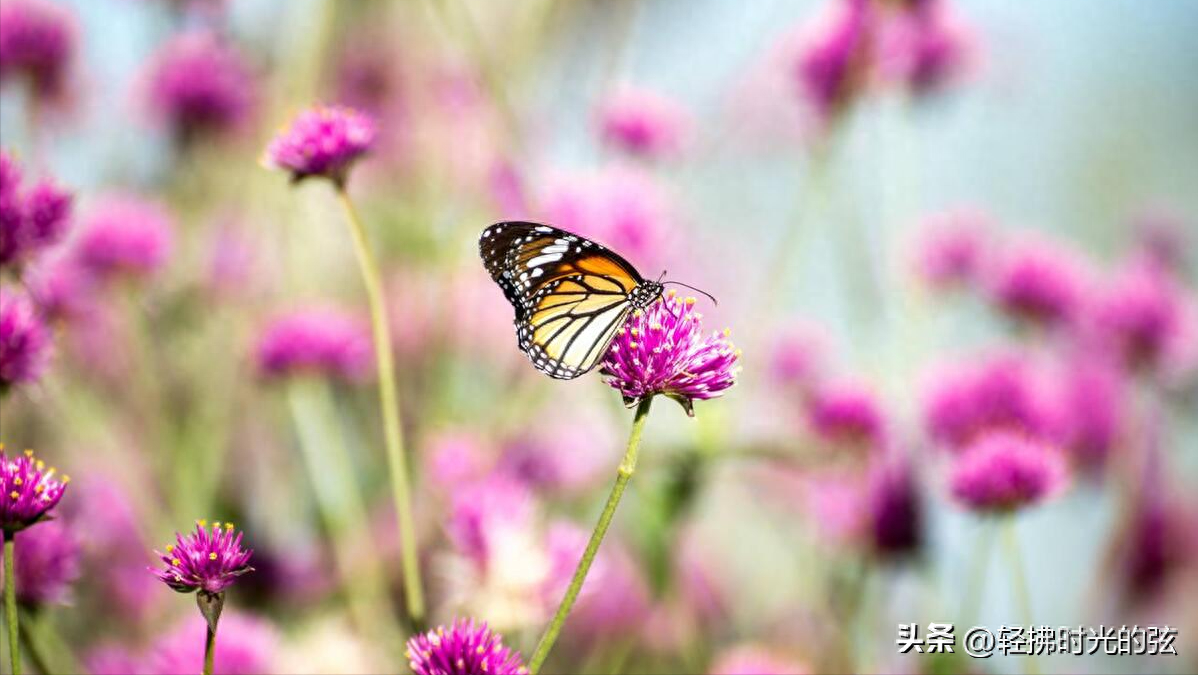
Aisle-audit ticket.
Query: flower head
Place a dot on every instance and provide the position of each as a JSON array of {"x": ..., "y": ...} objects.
[
  {"x": 751, "y": 659},
  {"x": 37, "y": 40},
  {"x": 209, "y": 559},
  {"x": 323, "y": 141},
  {"x": 1002, "y": 472},
  {"x": 320, "y": 341},
  {"x": 47, "y": 563},
  {"x": 247, "y": 645},
  {"x": 198, "y": 83},
  {"x": 848, "y": 415},
  {"x": 30, "y": 490},
  {"x": 1040, "y": 282},
  {"x": 465, "y": 647},
  {"x": 895, "y": 519},
  {"x": 1139, "y": 315},
  {"x": 125, "y": 236},
  {"x": 952, "y": 247},
  {"x": 832, "y": 64},
  {"x": 925, "y": 47},
  {"x": 643, "y": 123},
  {"x": 30, "y": 220},
  {"x": 24, "y": 340},
  {"x": 662, "y": 350}
]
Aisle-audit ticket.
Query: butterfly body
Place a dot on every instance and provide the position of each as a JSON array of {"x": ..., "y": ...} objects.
[{"x": 571, "y": 295}]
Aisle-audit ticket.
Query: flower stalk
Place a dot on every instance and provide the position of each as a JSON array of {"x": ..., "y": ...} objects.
[
  {"x": 1019, "y": 581},
  {"x": 10, "y": 602},
  {"x": 389, "y": 400},
  {"x": 623, "y": 475}
]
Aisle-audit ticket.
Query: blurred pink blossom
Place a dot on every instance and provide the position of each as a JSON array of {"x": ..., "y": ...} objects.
[
  {"x": 925, "y": 47},
  {"x": 125, "y": 235},
  {"x": 198, "y": 84},
  {"x": 1003, "y": 472},
  {"x": 246, "y": 645},
  {"x": 1039, "y": 281},
  {"x": 643, "y": 123},
  {"x": 752, "y": 659},
  {"x": 847, "y": 415},
  {"x": 37, "y": 42},
  {"x": 320, "y": 341},
  {"x": 953, "y": 247}
]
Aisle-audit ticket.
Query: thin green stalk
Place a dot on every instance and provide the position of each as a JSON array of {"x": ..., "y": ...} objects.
[
  {"x": 389, "y": 400},
  {"x": 45, "y": 647},
  {"x": 1019, "y": 581},
  {"x": 977, "y": 577},
  {"x": 623, "y": 474},
  {"x": 209, "y": 650},
  {"x": 341, "y": 507},
  {"x": 10, "y": 603}
]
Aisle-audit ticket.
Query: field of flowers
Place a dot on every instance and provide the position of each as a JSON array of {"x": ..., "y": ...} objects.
[{"x": 933, "y": 361}]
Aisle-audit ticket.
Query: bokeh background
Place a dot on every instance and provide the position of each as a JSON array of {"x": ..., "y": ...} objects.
[{"x": 823, "y": 225}]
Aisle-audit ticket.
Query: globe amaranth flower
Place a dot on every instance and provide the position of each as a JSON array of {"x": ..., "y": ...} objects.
[
  {"x": 1158, "y": 544},
  {"x": 209, "y": 559},
  {"x": 323, "y": 141},
  {"x": 925, "y": 47},
  {"x": 895, "y": 511},
  {"x": 37, "y": 41},
  {"x": 662, "y": 350},
  {"x": 30, "y": 220},
  {"x": 316, "y": 341},
  {"x": 848, "y": 415},
  {"x": 125, "y": 236},
  {"x": 643, "y": 123},
  {"x": 1139, "y": 314},
  {"x": 461, "y": 648},
  {"x": 1040, "y": 282},
  {"x": 832, "y": 63},
  {"x": 1003, "y": 472},
  {"x": 952, "y": 247},
  {"x": 1093, "y": 408},
  {"x": 247, "y": 645},
  {"x": 199, "y": 84},
  {"x": 47, "y": 563},
  {"x": 30, "y": 490},
  {"x": 25, "y": 344}
]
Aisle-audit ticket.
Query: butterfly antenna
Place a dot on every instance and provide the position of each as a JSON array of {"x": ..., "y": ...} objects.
[{"x": 699, "y": 290}]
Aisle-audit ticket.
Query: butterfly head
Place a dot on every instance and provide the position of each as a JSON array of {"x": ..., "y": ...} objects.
[{"x": 645, "y": 294}]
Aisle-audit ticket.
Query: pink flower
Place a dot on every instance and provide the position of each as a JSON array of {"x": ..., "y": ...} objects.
[
  {"x": 47, "y": 563},
  {"x": 33, "y": 220},
  {"x": 797, "y": 356},
  {"x": 661, "y": 350},
  {"x": 952, "y": 249},
  {"x": 37, "y": 42},
  {"x": 462, "y": 647},
  {"x": 895, "y": 512},
  {"x": 205, "y": 560},
  {"x": 925, "y": 47},
  {"x": 247, "y": 645},
  {"x": 1004, "y": 472},
  {"x": 197, "y": 83},
  {"x": 643, "y": 123},
  {"x": 847, "y": 414},
  {"x": 1039, "y": 281},
  {"x": 484, "y": 510},
  {"x": 750, "y": 659},
  {"x": 125, "y": 235},
  {"x": 1094, "y": 407},
  {"x": 320, "y": 341},
  {"x": 1138, "y": 314},
  {"x": 28, "y": 490},
  {"x": 614, "y": 600},
  {"x": 25, "y": 344},
  {"x": 322, "y": 141},
  {"x": 832, "y": 62}
]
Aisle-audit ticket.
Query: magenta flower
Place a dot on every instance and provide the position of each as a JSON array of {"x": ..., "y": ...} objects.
[
  {"x": 125, "y": 236},
  {"x": 1040, "y": 282},
  {"x": 248, "y": 645},
  {"x": 750, "y": 659},
  {"x": 643, "y": 123},
  {"x": 797, "y": 356},
  {"x": 926, "y": 47},
  {"x": 37, "y": 41},
  {"x": 833, "y": 61},
  {"x": 848, "y": 415},
  {"x": 197, "y": 83},
  {"x": 25, "y": 345},
  {"x": 661, "y": 350},
  {"x": 1093, "y": 408},
  {"x": 30, "y": 490},
  {"x": 208, "y": 560},
  {"x": 1139, "y": 315},
  {"x": 1158, "y": 545},
  {"x": 951, "y": 251},
  {"x": 316, "y": 341},
  {"x": 30, "y": 221},
  {"x": 322, "y": 141},
  {"x": 1003, "y": 472},
  {"x": 464, "y": 648},
  {"x": 47, "y": 563},
  {"x": 483, "y": 513},
  {"x": 895, "y": 518}
]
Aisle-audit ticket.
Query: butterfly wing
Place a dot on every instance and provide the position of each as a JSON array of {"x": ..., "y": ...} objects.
[{"x": 570, "y": 294}]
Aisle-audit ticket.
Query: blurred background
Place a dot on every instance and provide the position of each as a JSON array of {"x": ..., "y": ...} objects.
[{"x": 924, "y": 220}]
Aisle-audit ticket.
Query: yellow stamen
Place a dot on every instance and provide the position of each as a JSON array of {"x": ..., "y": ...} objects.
[
  {"x": 15, "y": 495},
  {"x": 727, "y": 332},
  {"x": 176, "y": 562},
  {"x": 170, "y": 548},
  {"x": 17, "y": 481},
  {"x": 202, "y": 522},
  {"x": 228, "y": 527},
  {"x": 66, "y": 478},
  {"x": 689, "y": 301},
  {"x": 212, "y": 556}
]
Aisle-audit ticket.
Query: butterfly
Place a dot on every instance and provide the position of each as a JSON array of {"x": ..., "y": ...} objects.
[{"x": 571, "y": 295}]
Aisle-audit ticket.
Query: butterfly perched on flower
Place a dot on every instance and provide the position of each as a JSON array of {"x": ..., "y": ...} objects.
[{"x": 571, "y": 295}]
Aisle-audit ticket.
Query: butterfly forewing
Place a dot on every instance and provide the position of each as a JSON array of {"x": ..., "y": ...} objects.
[{"x": 571, "y": 295}]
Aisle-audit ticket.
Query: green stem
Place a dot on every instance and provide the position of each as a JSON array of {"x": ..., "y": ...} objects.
[
  {"x": 389, "y": 400},
  {"x": 977, "y": 577},
  {"x": 209, "y": 650},
  {"x": 623, "y": 474},
  {"x": 1019, "y": 581},
  {"x": 10, "y": 602}
]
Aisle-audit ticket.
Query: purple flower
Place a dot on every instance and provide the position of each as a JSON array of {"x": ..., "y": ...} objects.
[
  {"x": 24, "y": 340},
  {"x": 1158, "y": 544},
  {"x": 197, "y": 83},
  {"x": 10, "y": 174},
  {"x": 464, "y": 648},
  {"x": 37, "y": 40},
  {"x": 848, "y": 415},
  {"x": 481, "y": 514},
  {"x": 1002, "y": 472},
  {"x": 952, "y": 247},
  {"x": 662, "y": 350},
  {"x": 1138, "y": 314},
  {"x": 1040, "y": 282},
  {"x": 207, "y": 559},
  {"x": 247, "y": 646},
  {"x": 1093, "y": 404},
  {"x": 125, "y": 236},
  {"x": 797, "y": 355},
  {"x": 750, "y": 659},
  {"x": 895, "y": 510},
  {"x": 47, "y": 213},
  {"x": 833, "y": 61},
  {"x": 925, "y": 47},
  {"x": 643, "y": 123},
  {"x": 322, "y": 141},
  {"x": 30, "y": 221},
  {"x": 29, "y": 490},
  {"x": 319, "y": 341},
  {"x": 47, "y": 563}
]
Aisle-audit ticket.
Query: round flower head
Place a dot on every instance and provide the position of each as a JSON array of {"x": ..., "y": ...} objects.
[
  {"x": 1002, "y": 472},
  {"x": 832, "y": 63},
  {"x": 952, "y": 247},
  {"x": 925, "y": 47},
  {"x": 323, "y": 141},
  {"x": 47, "y": 563},
  {"x": 37, "y": 38},
  {"x": 1139, "y": 315},
  {"x": 24, "y": 340},
  {"x": 316, "y": 341},
  {"x": 895, "y": 510},
  {"x": 197, "y": 83},
  {"x": 30, "y": 490},
  {"x": 464, "y": 648},
  {"x": 209, "y": 559},
  {"x": 32, "y": 220},
  {"x": 125, "y": 235},
  {"x": 1039, "y": 282},
  {"x": 662, "y": 350},
  {"x": 847, "y": 415},
  {"x": 643, "y": 123}
]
